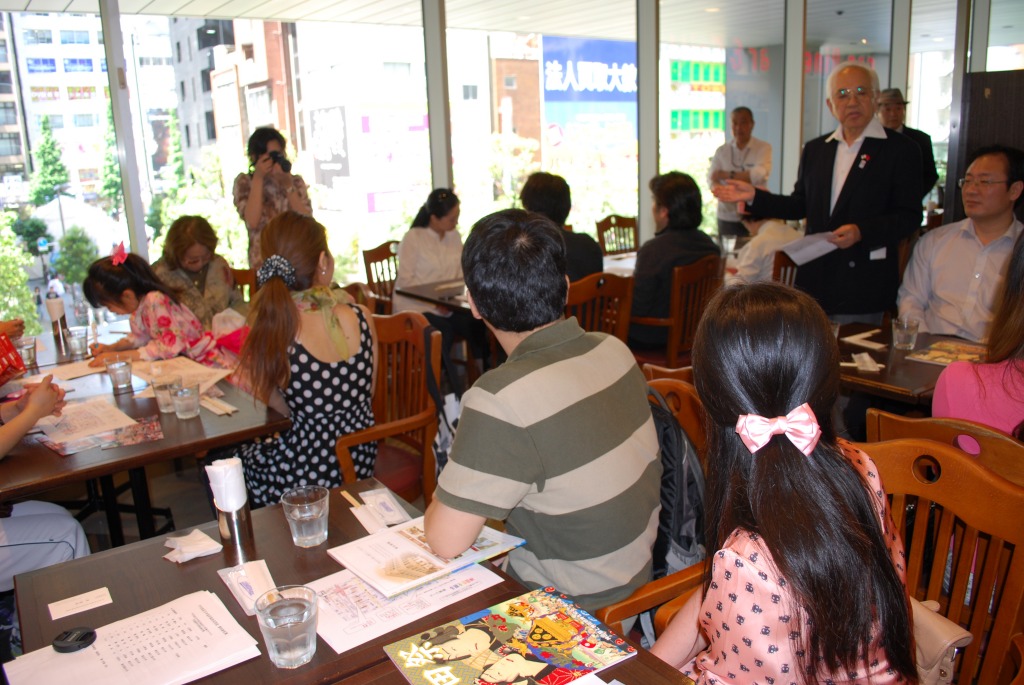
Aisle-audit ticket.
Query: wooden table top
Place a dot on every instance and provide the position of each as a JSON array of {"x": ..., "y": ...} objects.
[
  {"x": 450, "y": 293},
  {"x": 139, "y": 578},
  {"x": 902, "y": 379},
  {"x": 31, "y": 468}
]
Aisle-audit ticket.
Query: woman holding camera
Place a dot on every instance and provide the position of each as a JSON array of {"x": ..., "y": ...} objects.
[{"x": 269, "y": 188}]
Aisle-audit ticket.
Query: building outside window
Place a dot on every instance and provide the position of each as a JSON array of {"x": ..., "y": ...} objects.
[
  {"x": 77, "y": 65},
  {"x": 37, "y": 36},
  {"x": 41, "y": 65},
  {"x": 74, "y": 37},
  {"x": 10, "y": 144}
]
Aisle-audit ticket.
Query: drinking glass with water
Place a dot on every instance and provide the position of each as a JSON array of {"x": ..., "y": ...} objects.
[
  {"x": 287, "y": 618},
  {"x": 306, "y": 509}
]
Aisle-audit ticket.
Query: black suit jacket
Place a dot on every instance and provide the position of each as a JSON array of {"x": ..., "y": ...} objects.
[
  {"x": 881, "y": 195},
  {"x": 928, "y": 173}
]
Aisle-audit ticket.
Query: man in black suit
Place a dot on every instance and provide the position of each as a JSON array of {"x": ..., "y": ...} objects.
[
  {"x": 861, "y": 184},
  {"x": 549, "y": 195},
  {"x": 892, "y": 112}
]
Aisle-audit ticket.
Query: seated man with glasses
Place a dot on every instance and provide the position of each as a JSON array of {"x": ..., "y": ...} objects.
[
  {"x": 954, "y": 276},
  {"x": 862, "y": 184}
]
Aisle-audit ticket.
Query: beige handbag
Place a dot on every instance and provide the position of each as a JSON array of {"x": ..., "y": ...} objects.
[{"x": 937, "y": 640}]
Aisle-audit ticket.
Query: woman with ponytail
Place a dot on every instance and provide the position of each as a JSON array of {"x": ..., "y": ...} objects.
[
  {"x": 807, "y": 581},
  {"x": 310, "y": 355}
]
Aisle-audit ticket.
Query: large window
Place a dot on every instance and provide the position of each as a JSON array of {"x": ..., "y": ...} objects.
[
  {"x": 37, "y": 36},
  {"x": 8, "y": 113},
  {"x": 74, "y": 37},
  {"x": 10, "y": 144},
  {"x": 41, "y": 65},
  {"x": 77, "y": 64}
]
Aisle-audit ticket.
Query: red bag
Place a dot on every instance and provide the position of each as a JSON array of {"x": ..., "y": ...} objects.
[{"x": 11, "y": 363}]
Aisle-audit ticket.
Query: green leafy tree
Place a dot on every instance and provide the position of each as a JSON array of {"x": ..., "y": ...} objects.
[
  {"x": 174, "y": 171},
  {"x": 77, "y": 252},
  {"x": 111, "y": 189},
  {"x": 50, "y": 172},
  {"x": 30, "y": 230},
  {"x": 155, "y": 215},
  {"x": 15, "y": 297}
]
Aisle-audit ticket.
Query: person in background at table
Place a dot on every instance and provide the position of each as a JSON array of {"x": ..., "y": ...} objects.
[
  {"x": 677, "y": 241},
  {"x": 558, "y": 441},
  {"x": 807, "y": 581},
  {"x": 191, "y": 267},
  {"x": 892, "y": 112},
  {"x": 744, "y": 158},
  {"x": 956, "y": 271},
  {"x": 430, "y": 252},
  {"x": 862, "y": 184},
  {"x": 992, "y": 393},
  {"x": 756, "y": 260},
  {"x": 309, "y": 355},
  {"x": 269, "y": 188},
  {"x": 56, "y": 285},
  {"x": 32, "y": 534},
  {"x": 549, "y": 195},
  {"x": 161, "y": 327}
]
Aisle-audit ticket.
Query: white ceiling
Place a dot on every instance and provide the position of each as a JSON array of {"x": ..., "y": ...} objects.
[{"x": 844, "y": 24}]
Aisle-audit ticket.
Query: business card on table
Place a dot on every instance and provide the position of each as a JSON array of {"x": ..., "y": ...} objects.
[{"x": 79, "y": 603}]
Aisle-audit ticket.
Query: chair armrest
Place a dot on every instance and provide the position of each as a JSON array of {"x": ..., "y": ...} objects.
[
  {"x": 376, "y": 433},
  {"x": 1018, "y": 658},
  {"x": 650, "y": 321},
  {"x": 652, "y": 594}
]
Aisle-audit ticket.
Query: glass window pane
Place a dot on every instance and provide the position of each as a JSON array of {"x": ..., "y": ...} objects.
[
  {"x": 530, "y": 93},
  {"x": 1005, "y": 31}
]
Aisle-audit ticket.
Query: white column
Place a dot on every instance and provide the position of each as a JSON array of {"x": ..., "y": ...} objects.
[
  {"x": 117, "y": 79},
  {"x": 435, "y": 46},
  {"x": 981, "y": 17},
  {"x": 793, "y": 92},
  {"x": 648, "y": 44},
  {"x": 899, "y": 45}
]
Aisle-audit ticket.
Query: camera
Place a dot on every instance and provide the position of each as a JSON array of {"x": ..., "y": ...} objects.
[{"x": 281, "y": 161}]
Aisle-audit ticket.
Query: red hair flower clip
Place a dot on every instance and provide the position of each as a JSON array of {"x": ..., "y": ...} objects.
[{"x": 119, "y": 255}]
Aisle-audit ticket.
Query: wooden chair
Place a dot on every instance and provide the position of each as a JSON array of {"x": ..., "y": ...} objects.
[
  {"x": 673, "y": 589},
  {"x": 381, "y": 271},
  {"x": 245, "y": 280},
  {"x": 361, "y": 294},
  {"x": 992, "y": 448},
  {"x": 618, "y": 234},
  {"x": 784, "y": 269},
  {"x": 692, "y": 288},
  {"x": 602, "y": 302},
  {"x": 976, "y": 530},
  {"x": 406, "y": 418},
  {"x": 653, "y": 372}
]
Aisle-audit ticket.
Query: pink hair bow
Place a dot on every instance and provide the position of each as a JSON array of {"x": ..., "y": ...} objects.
[
  {"x": 799, "y": 425},
  {"x": 119, "y": 255}
]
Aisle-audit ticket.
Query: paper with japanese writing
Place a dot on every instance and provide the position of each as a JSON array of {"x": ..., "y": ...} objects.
[
  {"x": 181, "y": 641},
  {"x": 79, "y": 603},
  {"x": 191, "y": 372},
  {"x": 82, "y": 419},
  {"x": 352, "y": 613}
]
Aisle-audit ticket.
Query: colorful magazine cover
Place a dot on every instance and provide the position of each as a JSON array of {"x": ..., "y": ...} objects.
[
  {"x": 145, "y": 430},
  {"x": 540, "y": 638},
  {"x": 946, "y": 352}
]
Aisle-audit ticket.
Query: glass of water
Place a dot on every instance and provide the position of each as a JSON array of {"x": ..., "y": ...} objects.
[
  {"x": 186, "y": 401},
  {"x": 119, "y": 368},
  {"x": 165, "y": 386},
  {"x": 306, "y": 509},
  {"x": 287, "y": 618}
]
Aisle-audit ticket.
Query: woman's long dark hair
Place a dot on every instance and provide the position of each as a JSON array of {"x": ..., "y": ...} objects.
[
  {"x": 766, "y": 349},
  {"x": 1006, "y": 333},
  {"x": 273, "y": 316},
  {"x": 106, "y": 282},
  {"x": 438, "y": 204}
]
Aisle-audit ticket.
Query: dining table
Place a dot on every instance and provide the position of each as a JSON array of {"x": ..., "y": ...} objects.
[
  {"x": 31, "y": 468},
  {"x": 139, "y": 578}
]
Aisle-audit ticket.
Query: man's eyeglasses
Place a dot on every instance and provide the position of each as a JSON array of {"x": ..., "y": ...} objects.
[
  {"x": 979, "y": 182},
  {"x": 860, "y": 92}
]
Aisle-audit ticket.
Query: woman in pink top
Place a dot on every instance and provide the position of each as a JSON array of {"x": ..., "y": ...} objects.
[
  {"x": 992, "y": 393},
  {"x": 807, "y": 581}
]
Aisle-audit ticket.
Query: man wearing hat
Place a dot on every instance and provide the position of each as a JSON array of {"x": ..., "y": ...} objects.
[{"x": 892, "y": 112}]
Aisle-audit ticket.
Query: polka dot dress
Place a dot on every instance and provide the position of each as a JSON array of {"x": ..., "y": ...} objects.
[{"x": 326, "y": 400}]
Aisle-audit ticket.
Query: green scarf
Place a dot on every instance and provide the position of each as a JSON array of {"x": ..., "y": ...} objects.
[{"x": 323, "y": 299}]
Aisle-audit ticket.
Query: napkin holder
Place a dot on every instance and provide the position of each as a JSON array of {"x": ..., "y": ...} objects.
[{"x": 236, "y": 533}]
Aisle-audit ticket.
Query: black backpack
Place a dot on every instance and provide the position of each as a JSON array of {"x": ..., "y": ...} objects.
[{"x": 680, "y": 541}]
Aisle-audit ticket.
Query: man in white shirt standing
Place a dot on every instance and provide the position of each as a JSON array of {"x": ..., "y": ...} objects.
[
  {"x": 743, "y": 158},
  {"x": 956, "y": 271}
]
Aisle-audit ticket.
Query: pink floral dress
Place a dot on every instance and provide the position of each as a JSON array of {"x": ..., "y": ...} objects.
[
  {"x": 747, "y": 612},
  {"x": 161, "y": 328}
]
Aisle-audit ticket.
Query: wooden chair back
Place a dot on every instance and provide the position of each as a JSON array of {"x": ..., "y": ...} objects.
[
  {"x": 784, "y": 269},
  {"x": 361, "y": 294},
  {"x": 682, "y": 399},
  {"x": 617, "y": 234},
  {"x": 381, "y": 271},
  {"x": 653, "y": 372},
  {"x": 993, "y": 448},
  {"x": 602, "y": 302},
  {"x": 405, "y": 414},
  {"x": 693, "y": 286},
  {"x": 964, "y": 536},
  {"x": 245, "y": 280}
]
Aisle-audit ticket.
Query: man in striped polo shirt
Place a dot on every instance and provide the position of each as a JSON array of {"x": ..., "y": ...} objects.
[{"x": 558, "y": 441}]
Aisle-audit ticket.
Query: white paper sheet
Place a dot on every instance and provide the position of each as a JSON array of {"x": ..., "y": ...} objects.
[
  {"x": 82, "y": 419},
  {"x": 181, "y": 641},
  {"x": 67, "y": 372},
  {"x": 352, "y": 613},
  {"x": 190, "y": 372},
  {"x": 809, "y": 248},
  {"x": 79, "y": 603}
]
